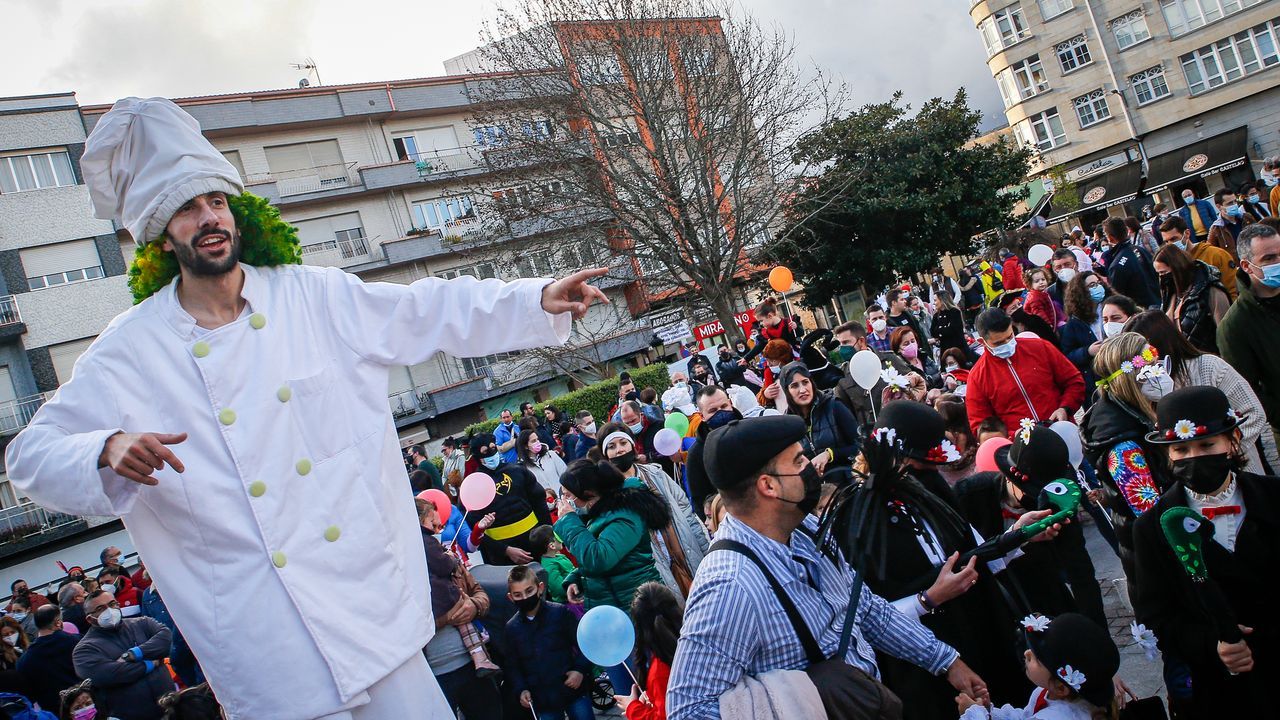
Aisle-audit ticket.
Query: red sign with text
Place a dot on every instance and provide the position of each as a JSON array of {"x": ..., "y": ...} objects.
[{"x": 711, "y": 329}]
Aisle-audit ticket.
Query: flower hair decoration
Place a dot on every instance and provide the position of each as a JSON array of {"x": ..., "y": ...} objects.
[
  {"x": 894, "y": 379},
  {"x": 1035, "y": 623},
  {"x": 1145, "y": 365},
  {"x": 945, "y": 452},
  {"x": 1025, "y": 426},
  {"x": 1072, "y": 677}
]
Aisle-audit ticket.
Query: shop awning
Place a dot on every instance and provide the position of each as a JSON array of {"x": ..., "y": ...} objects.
[
  {"x": 1199, "y": 159},
  {"x": 1114, "y": 188}
]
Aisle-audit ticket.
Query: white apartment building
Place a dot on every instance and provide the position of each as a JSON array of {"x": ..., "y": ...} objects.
[{"x": 1134, "y": 100}]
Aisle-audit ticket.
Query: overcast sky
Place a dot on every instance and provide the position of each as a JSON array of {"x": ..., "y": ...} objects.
[{"x": 107, "y": 49}]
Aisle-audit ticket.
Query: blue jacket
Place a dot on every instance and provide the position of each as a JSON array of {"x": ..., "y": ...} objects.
[
  {"x": 1208, "y": 213},
  {"x": 457, "y": 517},
  {"x": 502, "y": 434},
  {"x": 540, "y": 652},
  {"x": 48, "y": 669},
  {"x": 1074, "y": 340},
  {"x": 577, "y": 446}
]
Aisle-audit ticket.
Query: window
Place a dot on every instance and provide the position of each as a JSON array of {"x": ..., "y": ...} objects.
[
  {"x": 490, "y": 136},
  {"x": 64, "y": 356},
  {"x": 62, "y": 263},
  {"x": 441, "y": 213},
  {"x": 1050, "y": 9},
  {"x": 323, "y": 155},
  {"x": 1003, "y": 29},
  {"x": 1073, "y": 54},
  {"x": 699, "y": 59},
  {"x": 1022, "y": 80},
  {"x": 475, "y": 367},
  {"x": 534, "y": 266},
  {"x": 1130, "y": 29},
  {"x": 342, "y": 234},
  {"x": 1043, "y": 130},
  {"x": 1232, "y": 58},
  {"x": 1149, "y": 85},
  {"x": 599, "y": 69},
  {"x": 537, "y": 129},
  {"x": 1183, "y": 16},
  {"x": 1092, "y": 109},
  {"x": 35, "y": 171},
  {"x": 406, "y": 147},
  {"x": 233, "y": 157},
  {"x": 521, "y": 196}
]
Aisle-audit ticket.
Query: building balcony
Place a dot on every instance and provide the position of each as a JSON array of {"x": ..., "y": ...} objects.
[
  {"x": 340, "y": 253},
  {"x": 420, "y": 168},
  {"x": 27, "y": 521},
  {"x": 11, "y": 324},
  {"x": 316, "y": 183},
  {"x": 15, "y": 414},
  {"x": 423, "y": 403}
]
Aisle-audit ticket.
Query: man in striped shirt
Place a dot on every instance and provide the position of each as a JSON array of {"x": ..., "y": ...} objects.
[{"x": 734, "y": 625}]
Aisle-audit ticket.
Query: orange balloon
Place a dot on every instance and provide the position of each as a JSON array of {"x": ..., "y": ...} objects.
[{"x": 780, "y": 279}]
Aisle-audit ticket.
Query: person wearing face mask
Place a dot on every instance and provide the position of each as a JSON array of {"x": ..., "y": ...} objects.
[
  {"x": 1200, "y": 432},
  {"x": 545, "y": 668},
  {"x": 455, "y": 465},
  {"x": 81, "y": 703},
  {"x": 878, "y": 329},
  {"x": 1081, "y": 337},
  {"x": 1018, "y": 378},
  {"x": 118, "y": 583},
  {"x": 538, "y": 458},
  {"x": 605, "y": 524},
  {"x": 906, "y": 344},
  {"x": 852, "y": 337},
  {"x": 772, "y": 326},
  {"x": 1116, "y": 311},
  {"x": 1232, "y": 218},
  {"x": 1250, "y": 333},
  {"x": 1175, "y": 233},
  {"x": 20, "y": 610},
  {"x": 519, "y": 506},
  {"x": 1039, "y": 303},
  {"x": 1129, "y": 267},
  {"x": 717, "y": 410},
  {"x": 122, "y": 657},
  {"x": 678, "y": 547},
  {"x": 13, "y": 643},
  {"x": 1114, "y": 435},
  {"x": 948, "y": 323},
  {"x": 1193, "y": 294},
  {"x": 770, "y": 488},
  {"x": 1255, "y": 200},
  {"x": 1198, "y": 214},
  {"x": 505, "y": 435},
  {"x": 582, "y": 439},
  {"x": 47, "y": 665},
  {"x": 1189, "y": 366},
  {"x": 1065, "y": 267},
  {"x": 20, "y": 589}
]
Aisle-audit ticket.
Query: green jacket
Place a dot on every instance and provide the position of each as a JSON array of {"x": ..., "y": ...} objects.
[
  {"x": 558, "y": 568},
  {"x": 1249, "y": 339},
  {"x": 612, "y": 546}
]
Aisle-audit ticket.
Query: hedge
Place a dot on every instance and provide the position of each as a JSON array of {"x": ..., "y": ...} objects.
[{"x": 599, "y": 397}]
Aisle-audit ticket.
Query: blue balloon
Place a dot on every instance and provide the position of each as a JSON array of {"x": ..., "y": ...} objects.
[
  {"x": 606, "y": 636},
  {"x": 687, "y": 443}
]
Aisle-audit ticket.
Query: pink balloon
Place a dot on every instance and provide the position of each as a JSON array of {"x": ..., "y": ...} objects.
[
  {"x": 477, "y": 491},
  {"x": 437, "y": 497},
  {"x": 985, "y": 461}
]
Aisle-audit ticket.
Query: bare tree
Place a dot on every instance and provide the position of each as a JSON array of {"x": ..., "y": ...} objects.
[{"x": 658, "y": 129}]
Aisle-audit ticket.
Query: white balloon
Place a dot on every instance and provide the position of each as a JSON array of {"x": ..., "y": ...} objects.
[
  {"x": 864, "y": 368},
  {"x": 1070, "y": 434},
  {"x": 1040, "y": 255},
  {"x": 666, "y": 442}
]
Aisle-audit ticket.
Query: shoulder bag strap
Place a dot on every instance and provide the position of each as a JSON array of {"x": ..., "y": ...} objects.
[{"x": 811, "y": 648}]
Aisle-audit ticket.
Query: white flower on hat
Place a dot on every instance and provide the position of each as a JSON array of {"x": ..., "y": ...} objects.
[
  {"x": 1026, "y": 425},
  {"x": 1035, "y": 623},
  {"x": 894, "y": 379},
  {"x": 885, "y": 434},
  {"x": 1184, "y": 429},
  {"x": 1072, "y": 677},
  {"x": 950, "y": 451},
  {"x": 1146, "y": 639},
  {"x": 1231, "y": 413}
]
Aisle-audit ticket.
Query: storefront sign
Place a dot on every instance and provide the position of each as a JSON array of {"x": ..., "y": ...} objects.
[
  {"x": 1195, "y": 162},
  {"x": 1100, "y": 165},
  {"x": 711, "y": 329},
  {"x": 672, "y": 333},
  {"x": 1094, "y": 195},
  {"x": 664, "y": 317}
]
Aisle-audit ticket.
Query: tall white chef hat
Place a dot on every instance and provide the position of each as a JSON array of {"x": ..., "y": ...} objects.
[{"x": 147, "y": 158}]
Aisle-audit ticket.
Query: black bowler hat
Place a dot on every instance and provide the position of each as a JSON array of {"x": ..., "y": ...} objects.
[
  {"x": 743, "y": 447},
  {"x": 1194, "y": 412},
  {"x": 1037, "y": 456},
  {"x": 918, "y": 430},
  {"x": 1077, "y": 651}
]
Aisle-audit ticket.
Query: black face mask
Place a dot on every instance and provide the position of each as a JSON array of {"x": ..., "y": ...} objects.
[
  {"x": 527, "y": 605},
  {"x": 722, "y": 418},
  {"x": 625, "y": 461},
  {"x": 1205, "y": 473},
  {"x": 812, "y": 489}
]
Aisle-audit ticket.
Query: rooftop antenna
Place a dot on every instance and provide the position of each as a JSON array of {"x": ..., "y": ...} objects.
[{"x": 310, "y": 66}]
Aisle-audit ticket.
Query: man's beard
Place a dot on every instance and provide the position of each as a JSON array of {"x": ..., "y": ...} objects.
[{"x": 189, "y": 256}]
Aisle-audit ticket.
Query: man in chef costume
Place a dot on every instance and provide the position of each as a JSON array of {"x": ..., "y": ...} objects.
[{"x": 236, "y": 420}]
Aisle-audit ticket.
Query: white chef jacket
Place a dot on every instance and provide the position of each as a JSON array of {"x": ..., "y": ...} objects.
[{"x": 288, "y": 551}]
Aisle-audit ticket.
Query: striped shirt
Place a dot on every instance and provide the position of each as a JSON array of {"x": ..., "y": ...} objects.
[{"x": 734, "y": 625}]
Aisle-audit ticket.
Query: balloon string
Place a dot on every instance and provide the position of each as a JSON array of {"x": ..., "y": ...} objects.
[
  {"x": 633, "y": 675},
  {"x": 872, "y": 402},
  {"x": 532, "y": 709},
  {"x": 455, "y": 534}
]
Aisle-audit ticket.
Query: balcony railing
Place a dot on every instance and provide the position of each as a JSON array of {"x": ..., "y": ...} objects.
[
  {"x": 310, "y": 180},
  {"x": 445, "y": 161},
  {"x": 15, "y": 414},
  {"x": 27, "y": 519},
  {"x": 411, "y": 402},
  {"x": 9, "y": 314}
]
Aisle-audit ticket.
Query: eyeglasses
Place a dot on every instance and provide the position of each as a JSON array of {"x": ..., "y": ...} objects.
[{"x": 96, "y": 613}]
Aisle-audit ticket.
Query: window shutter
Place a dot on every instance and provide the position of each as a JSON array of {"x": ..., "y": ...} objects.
[
  {"x": 59, "y": 258},
  {"x": 64, "y": 356}
]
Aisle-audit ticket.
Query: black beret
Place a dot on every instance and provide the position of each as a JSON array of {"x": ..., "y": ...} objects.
[
  {"x": 479, "y": 442},
  {"x": 744, "y": 446}
]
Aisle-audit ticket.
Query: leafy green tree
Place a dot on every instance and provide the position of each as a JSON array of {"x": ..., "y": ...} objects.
[{"x": 897, "y": 192}]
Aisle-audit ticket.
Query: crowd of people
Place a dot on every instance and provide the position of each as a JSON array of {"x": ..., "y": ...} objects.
[{"x": 813, "y": 521}]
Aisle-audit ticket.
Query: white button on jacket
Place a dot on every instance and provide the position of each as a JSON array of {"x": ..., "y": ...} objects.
[{"x": 298, "y": 598}]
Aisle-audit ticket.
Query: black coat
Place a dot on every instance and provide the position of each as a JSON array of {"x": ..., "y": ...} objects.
[
  {"x": 540, "y": 652},
  {"x": 48, "y": 669},
  {"x": 1167, "y": 604},
  {"x": 1131, "y": 273},
  {"x": 948, "y": 330},
  {"x": 1196, "y": 319}
]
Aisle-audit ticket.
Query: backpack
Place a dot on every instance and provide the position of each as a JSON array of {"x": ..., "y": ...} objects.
[{"x": 20, "y": 708}]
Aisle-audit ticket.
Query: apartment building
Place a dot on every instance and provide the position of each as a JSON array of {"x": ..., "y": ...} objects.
[{"x": 1134, "y": 100}]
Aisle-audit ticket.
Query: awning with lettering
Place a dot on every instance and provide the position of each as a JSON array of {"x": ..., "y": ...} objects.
[
  {"x": 1100, "y": 192},
  {"x": 1200, "y": 159}
]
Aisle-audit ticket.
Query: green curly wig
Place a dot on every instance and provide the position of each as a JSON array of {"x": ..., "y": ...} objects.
[{"x": 266, "y": 240}]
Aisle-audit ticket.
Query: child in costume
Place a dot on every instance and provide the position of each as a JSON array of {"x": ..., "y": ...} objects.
[
  {"x": 1072, "y": 661},
  {"x": 550, "y": 553}
]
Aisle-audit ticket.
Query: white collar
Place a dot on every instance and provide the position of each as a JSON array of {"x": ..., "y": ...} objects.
[
  {"x": 1228, "y": 496},
  {"x": 253, "y": 291}
]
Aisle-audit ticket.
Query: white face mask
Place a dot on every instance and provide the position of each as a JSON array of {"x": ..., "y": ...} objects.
[
  {"x": 1155, "y": 388},
  {"x": 1111, "y": 329},
  {"x": 12, "y": 640},
  {"x": 1065, "y": 274},
  {"x": 109, "y": 588},
  {"x": 589, "y": 428},
  {"x": 879, "y": 325},
  {"x": 109, "y": 618}
]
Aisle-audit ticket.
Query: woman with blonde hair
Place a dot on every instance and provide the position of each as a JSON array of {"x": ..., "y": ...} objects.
[{"x": 1133, "y": 379}]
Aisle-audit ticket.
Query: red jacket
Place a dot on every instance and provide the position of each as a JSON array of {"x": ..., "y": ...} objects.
[
  {"x": 1048, "y": 377},
  {"x": 656, "y": 690},
  {"x": 1011, "y": 274},
  {"x": 1038, "y": 303}
]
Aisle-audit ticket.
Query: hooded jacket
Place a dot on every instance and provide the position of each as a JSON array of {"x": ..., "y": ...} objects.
[
  {"x": 1195, "y": 315},
  {"x": 612, "y": 545},
  {"x": 1249, "y": 337}
]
